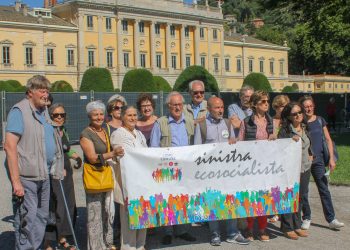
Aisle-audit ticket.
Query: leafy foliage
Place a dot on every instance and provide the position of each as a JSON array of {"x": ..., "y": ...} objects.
[
  {"x": 258, "y": 81},
  {"x": 138, "y": 80},
  {"x": 12, "y": 86},
  {"x": 162, "y": 84},
  {"x": 196, "y": 73},
  {"x": 97, "y": 79},
  {"x": 61, "y": 86},
  {"x": 288, "y": 89}
]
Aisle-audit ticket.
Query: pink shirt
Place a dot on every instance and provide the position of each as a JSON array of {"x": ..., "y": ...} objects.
[{"x": 261, "y": 131}]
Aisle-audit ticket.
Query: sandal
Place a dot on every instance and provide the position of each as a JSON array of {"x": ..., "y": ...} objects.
[
  {"x": 274, "y": 219},
  {"x": 64, "y": 245}
]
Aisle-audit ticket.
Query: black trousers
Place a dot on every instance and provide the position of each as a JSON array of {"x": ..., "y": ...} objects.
[{"x": 292, "y": 221}]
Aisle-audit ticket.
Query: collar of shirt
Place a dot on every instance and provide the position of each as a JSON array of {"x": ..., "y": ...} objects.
[
  {"x": 172, "y": 120},
  {"x": 196, "y": 106},
  {"x": 211, "y": 119}
]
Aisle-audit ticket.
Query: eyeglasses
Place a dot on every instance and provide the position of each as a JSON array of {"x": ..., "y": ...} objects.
[
  {"x": 296, "y": 113},
  {"x": 264, "y": 101},
  {"x": 117, "y": 108},
  {"x": 176, "y": 104},
  {"x": 56, "y": 115},
  {"x": 198, "y": 92},
  {"x": 146, "y": 106},
  {"x": 309, "y": 107}
]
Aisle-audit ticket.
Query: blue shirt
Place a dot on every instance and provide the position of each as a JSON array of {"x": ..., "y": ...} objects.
[
  {"x": 316, "y": 134},
  {"x": 236, "y": 109},
  {"x": 15, "y": 125},
  {"x": 178, "y": 133},
  {"x": 196, "y": 109}
]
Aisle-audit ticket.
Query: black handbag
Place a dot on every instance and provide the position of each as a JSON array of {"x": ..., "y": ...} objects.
[{"x": 326, "y": 155}]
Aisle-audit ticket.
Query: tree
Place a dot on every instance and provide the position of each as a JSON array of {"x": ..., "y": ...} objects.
[
  {"x": 12, "y": 86},
  {"x": 61, "y": 86},
  {"x": 162, "y": 84},
  {"x": 258, "y": 81},
  {"x": 138, "y": 80},
  {"x": 196, "y": 73},
  {"x": 97, "y": 79},
  {"x": 288, "y": 89},
  {"x": 5, "y": 86},
  {"x": 295, "y": 86}
]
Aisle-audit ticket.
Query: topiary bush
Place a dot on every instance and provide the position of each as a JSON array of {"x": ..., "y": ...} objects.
[
  {"x": 289, "y": 89},
  {"x": 138, "y": 80},
  {"x": 61, "y": 86},
  {"x": 7, "y": 86},
  {"x": 258, "y": 81},
  {"x": 97, "y": 79},
  {"x": 196, "y": 72},
  {"x": 162, "y": 84}
]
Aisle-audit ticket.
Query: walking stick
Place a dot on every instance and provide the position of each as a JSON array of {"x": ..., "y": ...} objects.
[{"x": 69, "y": 218}]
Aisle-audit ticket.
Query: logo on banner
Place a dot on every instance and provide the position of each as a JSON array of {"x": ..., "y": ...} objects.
[{"x": 167, "y": 169}]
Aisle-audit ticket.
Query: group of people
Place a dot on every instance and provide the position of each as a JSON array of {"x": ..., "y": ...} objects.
[{"x": 38, "y": 160}]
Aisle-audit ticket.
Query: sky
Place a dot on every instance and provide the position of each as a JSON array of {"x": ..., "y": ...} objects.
[{"x": 40, "y": 3}]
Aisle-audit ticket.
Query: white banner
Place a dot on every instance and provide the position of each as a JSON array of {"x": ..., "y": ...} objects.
[{"x": 169, "y": 186}]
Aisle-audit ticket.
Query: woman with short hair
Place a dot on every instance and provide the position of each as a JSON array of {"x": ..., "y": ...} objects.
[
  {"x": 94, "y": 142},
  {"x": 258, "y": 126},
  {"x": 128, "y": 137},
  {"x": 114, "y": 106}
]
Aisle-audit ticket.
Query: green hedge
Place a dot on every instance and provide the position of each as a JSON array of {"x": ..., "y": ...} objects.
[
  {"x": 162, "y": 84},
  {"x": 97, "y": 79},
  {"x": 61, "y": 86},
  {"x": 196, "y": 73},
  {"x": 12, "y": 86},
  {"x": 138, "y": 80},
  {"x": 258, "y": 81},
  {"x": 289, "y": 89}
]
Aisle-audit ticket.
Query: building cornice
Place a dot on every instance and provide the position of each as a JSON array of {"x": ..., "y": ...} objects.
[
  {"x": 38, "y": 26},
  {"x": 255, "y": 45}
]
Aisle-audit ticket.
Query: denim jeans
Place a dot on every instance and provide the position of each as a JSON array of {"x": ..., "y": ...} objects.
[
  {"x": 231, "y": 227},
  {"x": 318, "y": 170}
]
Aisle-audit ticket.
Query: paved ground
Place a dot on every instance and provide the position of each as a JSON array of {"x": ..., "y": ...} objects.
[{"x": 320, "y": 236}]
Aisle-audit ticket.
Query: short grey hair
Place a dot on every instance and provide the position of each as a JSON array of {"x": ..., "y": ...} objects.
[
  {"x": 91, "y": 106},
  {"x": 55, "y": 106},
  {"x": 118, "y": 98},
  {"x": 244, "y": 89},
  {"x": 171, "y": 94},
  {"x": 126, "y": 108},
  {"x": 38, "y": 82},
  {"x": 190, "y": 85}
]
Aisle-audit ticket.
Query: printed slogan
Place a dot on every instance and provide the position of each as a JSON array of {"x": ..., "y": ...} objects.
[{"x": 171, "y": 186}]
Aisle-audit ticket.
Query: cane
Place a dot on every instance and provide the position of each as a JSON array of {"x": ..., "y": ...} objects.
[{"x": 69, "y": 219}]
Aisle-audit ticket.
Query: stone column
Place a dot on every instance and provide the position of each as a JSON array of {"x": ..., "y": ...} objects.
[
  {"x": 152, "y": 46},
  {"x": 222, "y": 51},
  {"x": 136, "y": 44},
  {"x": 119, "y": 41},
  {"x": 100, "y": 42},
  {"x": 168, "y": 46},
  {"x": 209, "y": 62},
  {"x": 183, "y": 47},
  {"x": 81, "y": 49},
  {"x": 196, "y": 43}
]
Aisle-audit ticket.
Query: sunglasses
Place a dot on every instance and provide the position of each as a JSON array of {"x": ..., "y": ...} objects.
[
  {"x": 264, "y": 101},
  {"x": 56, "y": 115},
  {"x": 198, "y": 92},
  {"x": 117, "y": 108},
  {"x": 297, "y": 113}
]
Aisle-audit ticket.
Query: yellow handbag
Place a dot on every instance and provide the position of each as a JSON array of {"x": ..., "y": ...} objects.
[{"x": 98, "y": 179}]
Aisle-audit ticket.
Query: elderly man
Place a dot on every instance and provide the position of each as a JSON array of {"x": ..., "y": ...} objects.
[
  {"x": 197, "y": 110},
  {"x": 174, "y": 130},
  {"x": 238, "y": 111},
  {"x": 33, "y": 150},
  {"x": 215, "y": 129}
]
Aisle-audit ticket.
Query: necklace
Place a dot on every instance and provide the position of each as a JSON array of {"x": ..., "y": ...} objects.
[{"x": 95, "y": 130}]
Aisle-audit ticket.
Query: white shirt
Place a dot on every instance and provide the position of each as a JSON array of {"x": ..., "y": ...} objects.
[{"x": 123, "y": 137}]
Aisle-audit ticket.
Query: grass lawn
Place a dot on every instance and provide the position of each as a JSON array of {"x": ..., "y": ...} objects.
[{"x": 341, "y": 175}]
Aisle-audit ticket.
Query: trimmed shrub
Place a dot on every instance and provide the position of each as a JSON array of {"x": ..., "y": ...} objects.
[
  {"x": 196, "y": 72},
  {"x": 61, "y": 86},
  {"x": 162, "y": 84},
  {"x": 97, "y": 79},
  {"x": 295, "y": 86},
  {"x": 7, "y": 86},
  {"x": 288, "y": 89},
  {"x": 117, "y": 90},
  {"x": 138, "y": 80},
  {"x": 258, "y": 81}
]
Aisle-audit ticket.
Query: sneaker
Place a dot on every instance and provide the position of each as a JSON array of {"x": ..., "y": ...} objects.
[
  {"x": 237, "y": 239},
  {"x": 302, "y": 233},
  {"x": 263, "y": 236},
  {"x": 291, "y": 235},
  {"x": 215, "y": 241},
  {"x": 335, "y": 224},
  {"x": 306, "y": 224}
]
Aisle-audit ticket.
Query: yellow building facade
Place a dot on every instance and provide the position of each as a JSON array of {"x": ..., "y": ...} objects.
[{"x": 163, "y": 36}]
